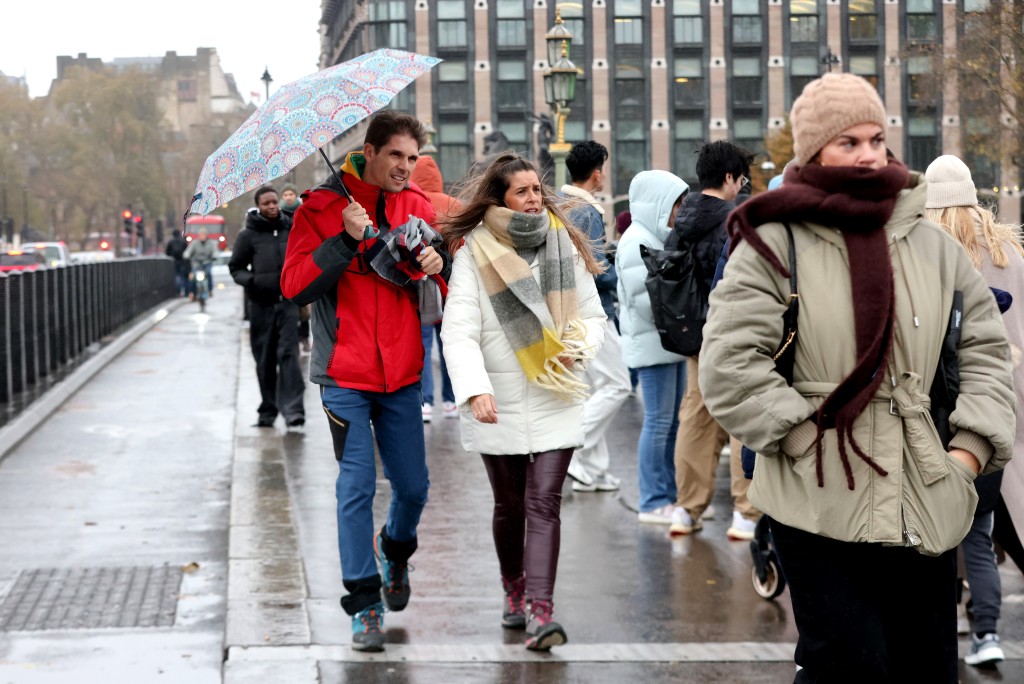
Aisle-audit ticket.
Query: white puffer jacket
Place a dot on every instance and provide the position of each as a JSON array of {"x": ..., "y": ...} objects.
[
  {"x": 651, "y": 197},
  {"x": 481, "y": 361}
]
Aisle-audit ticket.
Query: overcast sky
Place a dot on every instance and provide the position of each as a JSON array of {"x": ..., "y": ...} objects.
[{"x": 248, "y": 36}]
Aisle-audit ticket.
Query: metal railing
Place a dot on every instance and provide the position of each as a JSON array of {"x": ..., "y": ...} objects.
[{"x": 50, "y": 317}]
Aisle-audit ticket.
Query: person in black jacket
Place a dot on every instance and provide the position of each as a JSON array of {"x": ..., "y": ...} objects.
[
  {"x": 723, "y": 170},
  {"x": 256, "y": 264}
]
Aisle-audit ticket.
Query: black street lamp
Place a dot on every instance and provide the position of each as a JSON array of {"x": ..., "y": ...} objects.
[
  {"x": 24, "y": 204},
  {"x": 829, "y": 59},
  {"x": 267, "y": 80}
]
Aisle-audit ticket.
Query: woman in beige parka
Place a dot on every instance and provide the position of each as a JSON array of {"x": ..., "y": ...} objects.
[{"x": 865, "y": 505}]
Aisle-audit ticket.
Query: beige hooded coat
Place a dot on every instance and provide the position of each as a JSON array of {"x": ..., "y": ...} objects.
[{"x": 927, "y": 500}]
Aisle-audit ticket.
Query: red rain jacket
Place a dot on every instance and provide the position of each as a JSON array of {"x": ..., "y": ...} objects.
[{"x": 366, "y": 330}]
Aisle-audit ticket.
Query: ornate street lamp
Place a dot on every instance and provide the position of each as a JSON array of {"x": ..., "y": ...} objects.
[
  {"x": 429, "y": 149},
  {"x": 559, "y": 90},
  {"x": 830, "y": 59},
  {"x": 267, "y": 80}
]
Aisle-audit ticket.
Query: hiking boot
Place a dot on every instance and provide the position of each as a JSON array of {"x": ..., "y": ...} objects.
[
  {"x": 985, "y": 650},
  {"x": 541, "y": 631},
  {"x": 367, "y": 624},
  {"x": 395, "y": 577},
  {"x": 514, "y": 613}
]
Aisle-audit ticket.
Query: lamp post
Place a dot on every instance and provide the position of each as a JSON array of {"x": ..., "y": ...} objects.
[
  {"x": 267, "y": 80},
  {"x": 24, "y": 205},
  {"x": 829, "y": 59},
  {"x": 429, "y": 149},
  {"x": 559, "y": 91}
]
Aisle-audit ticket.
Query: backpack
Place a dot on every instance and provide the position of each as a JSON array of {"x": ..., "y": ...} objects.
[{"x": 679, "y": 297}]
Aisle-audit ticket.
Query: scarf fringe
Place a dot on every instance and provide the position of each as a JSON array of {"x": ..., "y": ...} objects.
[{"x": 559, "y": 378}]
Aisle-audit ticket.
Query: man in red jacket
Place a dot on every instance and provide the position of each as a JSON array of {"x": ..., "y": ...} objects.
[{"x": 367, "y": 358}]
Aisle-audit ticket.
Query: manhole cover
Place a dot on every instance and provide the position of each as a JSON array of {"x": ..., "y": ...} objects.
[{"x": 91, "y": 598}]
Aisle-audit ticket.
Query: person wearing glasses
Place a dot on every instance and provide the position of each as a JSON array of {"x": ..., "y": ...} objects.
[{"x": 723, "y": 169}]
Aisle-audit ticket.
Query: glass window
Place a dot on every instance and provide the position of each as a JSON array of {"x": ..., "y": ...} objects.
[
  {"x": 629, "y": 93},
  {"x": 922, "y": 145},
  {"x": 804, "y": 66},
  {"x": 627, "y": 67},
  {"x": 511, "y": 33},
  {"x": 746, "y": 29},
  {"x": 510, "y": 9},
  {"x": 451, "y": 33},
  {"x": 862, "y": 6},
  {"x": 451, "y": 9},
  {"x": 803, "y": 6},
  {"x": 630, "y": 158},
  {"x": 921, "y": 125},
  {"x": 746, "y": 6},
  {"x": 922, "y": 26},
  {"x": 689, "y": 83},
  {"x": 387, "y": 10},
  {"x": 747, "y": 128},
  {"x": 629, "y": 31},
  {"x": 512, "y": 91},
  {"x": 513, "y": 70},
  {"x": 686, "y": 8},
  {"x": 453, "y": 91},
  {"x": 387, "y": 35},
  {"x": 576, "y": 131},
  {"x": 688, "y": 30},
  {"x": 920, "y": 5},
  {"x": 746, "y": 66},
  {"x": 863, "y": 24},
  {"x": 689, "y": 135},
  {"x": 453, "y": 150},
  {"x": 803, "y": 29},
  {"x": 918, "y": 68},
  {"x": 866, "y": 66},
  {"x": 976, "y": 5},
  {"x": 629, "y": 8},
  {"x": 572, "y": 15}
]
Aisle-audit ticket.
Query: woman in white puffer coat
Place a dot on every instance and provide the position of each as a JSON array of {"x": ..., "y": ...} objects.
[{"x": 522, "y": 318}]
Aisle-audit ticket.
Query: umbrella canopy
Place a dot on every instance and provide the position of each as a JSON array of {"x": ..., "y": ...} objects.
[{"x": 302, "y": 117}]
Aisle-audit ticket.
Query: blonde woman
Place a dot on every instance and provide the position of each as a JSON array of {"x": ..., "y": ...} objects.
[
  {"x": 995, "y": 250},
  {"x": 523, "y": 316}
]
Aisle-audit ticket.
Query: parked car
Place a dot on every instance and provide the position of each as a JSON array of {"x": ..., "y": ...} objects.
[
  {"x": 17, "y": 260},
  {"x": 56, "y": 253}
]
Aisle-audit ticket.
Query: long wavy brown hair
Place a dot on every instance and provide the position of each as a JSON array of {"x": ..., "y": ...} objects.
[
  {"x": 488, "y": 189},
  {"x": 964, "y": 224}
]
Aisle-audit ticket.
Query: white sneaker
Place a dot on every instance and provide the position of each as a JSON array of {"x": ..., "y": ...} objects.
[
  {"x": 659, "y": 516},
  {"x": 451, "y": 409},
  {"x": 682, "y": 522},
  {"x": 708, "y": 514},
  {"x": 985, "y": 651},
  {"x": 741, "y": 529},
  {"x": 428, "y": 413},
  {"x": 601, "y": 483},
  {"x": 580, "y": 477}
]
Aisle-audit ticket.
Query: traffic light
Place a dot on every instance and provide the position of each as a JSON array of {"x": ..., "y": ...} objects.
[
  {"x": 159, "y": 231},
  {"x": 140, "y": 226},
  {"x": 127, "y": 216}
]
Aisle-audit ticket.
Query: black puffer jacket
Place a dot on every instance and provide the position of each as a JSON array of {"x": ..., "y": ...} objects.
[
  {"x": 701, "y": 224},
  {"x": 258, "y": 257}
]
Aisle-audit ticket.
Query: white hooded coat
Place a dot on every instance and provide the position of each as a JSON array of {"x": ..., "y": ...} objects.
[{"x": 652, "y": 194}]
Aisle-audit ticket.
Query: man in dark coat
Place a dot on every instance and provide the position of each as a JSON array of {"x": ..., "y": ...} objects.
[
  {"x": 256, "y": 264},
  {"x": 723, "y": 169},
  {"x": 176, "y": 247}
]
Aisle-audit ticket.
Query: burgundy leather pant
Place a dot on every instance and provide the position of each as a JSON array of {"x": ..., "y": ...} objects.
[{"x": 526, "y": 524}]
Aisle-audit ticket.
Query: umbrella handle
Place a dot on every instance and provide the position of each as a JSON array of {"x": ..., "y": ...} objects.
[{"x": 370, "y": 231}]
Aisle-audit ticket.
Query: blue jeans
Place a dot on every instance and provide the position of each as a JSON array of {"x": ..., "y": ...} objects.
[
  {"x": 398, "y": 429},
  {"x": 662, "y": 388},
  {"x": 447, "y": 393}
]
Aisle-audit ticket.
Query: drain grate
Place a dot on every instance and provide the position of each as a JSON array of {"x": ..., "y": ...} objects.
[{"x": 91, "y": 598}]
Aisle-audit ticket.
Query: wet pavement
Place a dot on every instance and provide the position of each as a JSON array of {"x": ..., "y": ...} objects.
[{"x": 156, "y": 462}]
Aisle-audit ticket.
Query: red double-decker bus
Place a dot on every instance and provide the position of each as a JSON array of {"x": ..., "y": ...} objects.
[{"x": 214, "y": 229}]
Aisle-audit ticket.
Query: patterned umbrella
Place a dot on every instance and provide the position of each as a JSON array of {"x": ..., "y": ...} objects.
[{"x": 302, "y": 117}]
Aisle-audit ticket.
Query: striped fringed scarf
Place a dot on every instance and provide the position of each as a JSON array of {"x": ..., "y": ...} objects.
[{"x": 541, "y": 321}]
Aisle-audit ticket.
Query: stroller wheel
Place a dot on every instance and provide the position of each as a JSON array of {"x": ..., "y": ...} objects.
[{"x": 774, "y": 582}]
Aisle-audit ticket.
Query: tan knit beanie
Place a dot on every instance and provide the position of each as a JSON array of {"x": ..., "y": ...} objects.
[
  {"x": 949, "y": 184},
  {"x": 827, "y": 107}
]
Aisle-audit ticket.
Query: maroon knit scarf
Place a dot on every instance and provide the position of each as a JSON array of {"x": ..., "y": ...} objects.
[{"x": 859, "y": 202}]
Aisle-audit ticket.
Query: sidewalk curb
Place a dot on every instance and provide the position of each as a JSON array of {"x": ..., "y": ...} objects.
[{"x": 41, "y": 409}]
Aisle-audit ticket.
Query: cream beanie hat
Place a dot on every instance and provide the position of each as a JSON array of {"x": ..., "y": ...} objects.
[
  {"x": 949, "y": 184},
  {"x": 827, "y": 107}
]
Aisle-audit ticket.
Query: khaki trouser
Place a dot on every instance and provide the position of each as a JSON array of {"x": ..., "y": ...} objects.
[{"x": 698, "y": 450}]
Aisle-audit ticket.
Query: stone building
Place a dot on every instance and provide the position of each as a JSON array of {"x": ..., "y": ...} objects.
[{"x": 660, "y": 76}]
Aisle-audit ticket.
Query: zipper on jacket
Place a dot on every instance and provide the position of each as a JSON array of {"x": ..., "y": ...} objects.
[
  {"x": 908, "y": 535},
  {"x": 906, "y": 284}
]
